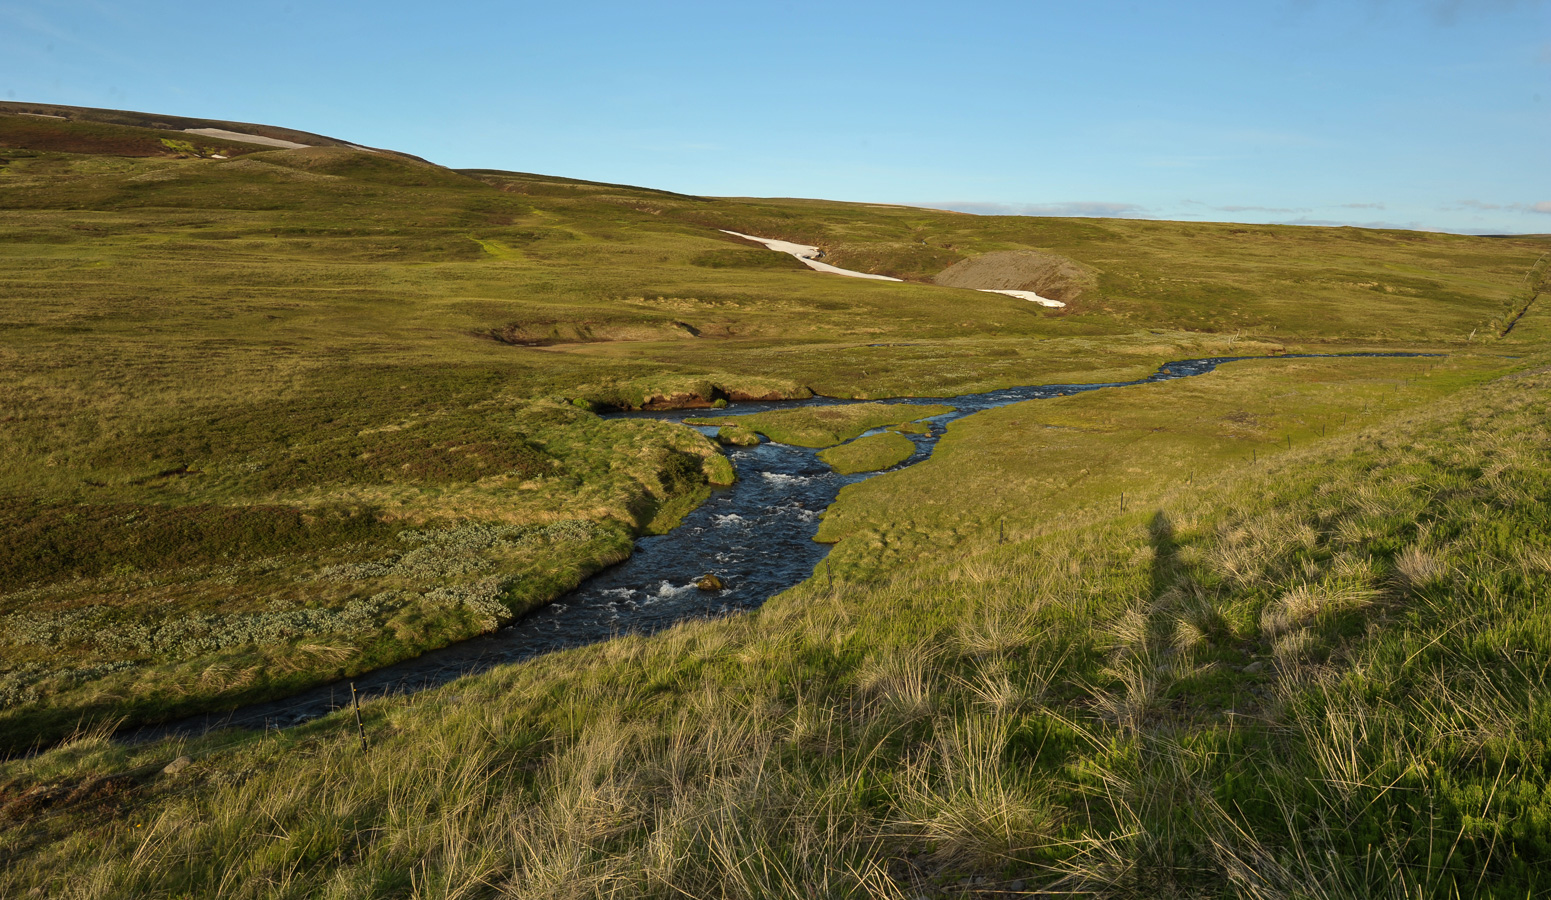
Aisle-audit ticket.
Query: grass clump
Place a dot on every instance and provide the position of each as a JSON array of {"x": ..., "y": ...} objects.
[
  {"x": 737, "y": 436},
  {"x": 869, "y": 454}
]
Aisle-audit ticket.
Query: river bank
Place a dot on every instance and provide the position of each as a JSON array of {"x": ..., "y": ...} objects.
[{"x": 756, "y": 535}]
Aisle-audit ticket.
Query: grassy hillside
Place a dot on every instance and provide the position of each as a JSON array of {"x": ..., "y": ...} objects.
[{"x": 274, "y": 419}]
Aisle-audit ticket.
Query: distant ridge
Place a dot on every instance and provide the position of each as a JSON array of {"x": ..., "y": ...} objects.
[
  {"x": 505, "y": 179},
  {"x": 167, "y": 123},
  {"x": 118, "y": 132}
]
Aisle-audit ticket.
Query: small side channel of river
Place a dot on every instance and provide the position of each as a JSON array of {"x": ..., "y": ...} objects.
[{"x": 756, "y": 535}]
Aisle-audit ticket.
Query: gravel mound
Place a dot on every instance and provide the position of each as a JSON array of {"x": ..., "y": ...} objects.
[{"x": 1046, "y": 274}]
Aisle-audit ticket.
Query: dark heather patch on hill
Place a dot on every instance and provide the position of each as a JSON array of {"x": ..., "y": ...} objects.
[
  {"x": 439, "y": 453},
  {"x": 49, "y": 541},
  {"x": 746, "y": 259},
  {"x": 1046, "y": 274},
  {"x": 303, "y": 451},
  {"x": 26, "y": 132},
  {"x": 434, "y": 457},
  {"x": 158, "y": 121}
]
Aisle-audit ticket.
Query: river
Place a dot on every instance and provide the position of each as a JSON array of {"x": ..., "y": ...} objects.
[{"x": 756, "y": 535}]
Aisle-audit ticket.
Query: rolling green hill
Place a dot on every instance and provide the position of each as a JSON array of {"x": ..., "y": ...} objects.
[{"x": 293, "y": 414}]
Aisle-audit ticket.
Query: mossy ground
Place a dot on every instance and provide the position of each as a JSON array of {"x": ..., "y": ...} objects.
[
  {"x": 737, "y": 436},
  {"x": 869, "y": 454}
]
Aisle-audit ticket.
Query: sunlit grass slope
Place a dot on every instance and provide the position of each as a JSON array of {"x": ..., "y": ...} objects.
[
  {"x": 1104, "y": 450},
  {"x": 1314, "y": 673},
  {"x": 274, "y": 419}
]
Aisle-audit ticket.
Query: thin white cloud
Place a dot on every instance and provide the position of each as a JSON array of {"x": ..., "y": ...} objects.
[
  {"x": 1234, "y": 208},
  {"x": 1542, "y": 207},
  {"x": 1197, "y": 210},
  {"x": 1448, "y": 12},
  {"x": 1080, "y": 208},
  {"x": 1264, "y": 209},
  {"x": 1339, "y": 223}
]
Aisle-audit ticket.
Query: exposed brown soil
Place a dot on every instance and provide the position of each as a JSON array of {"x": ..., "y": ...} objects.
[
  {"x": 744, "y": 396},
  {"x": 550, "y": 333},
  {"x": 1046, "y": 274},
  {"x": 677, "y": 400},
  {"x": 17, "y": 802}
]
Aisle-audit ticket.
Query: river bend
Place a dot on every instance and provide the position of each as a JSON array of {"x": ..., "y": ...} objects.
[{"x": 756, "y": 535}]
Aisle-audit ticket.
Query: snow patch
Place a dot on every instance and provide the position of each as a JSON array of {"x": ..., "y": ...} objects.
[
  {"x": 1027, "y": 295},
  {"x": 225, "y": 135},
  {"x": 808, "y": 255}
]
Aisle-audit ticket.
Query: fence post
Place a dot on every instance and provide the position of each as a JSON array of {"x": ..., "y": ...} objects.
[{"x": 355, "y": 702}]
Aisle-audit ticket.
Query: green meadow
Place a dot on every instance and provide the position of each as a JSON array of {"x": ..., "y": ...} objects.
[{"x": 282, "y": 418}]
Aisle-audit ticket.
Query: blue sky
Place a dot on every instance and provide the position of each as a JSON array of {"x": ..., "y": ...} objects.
[{"x": 1427, "y": 114}]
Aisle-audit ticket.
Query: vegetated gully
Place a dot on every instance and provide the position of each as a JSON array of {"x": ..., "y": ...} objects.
[{"x": 756, "y": 536}]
